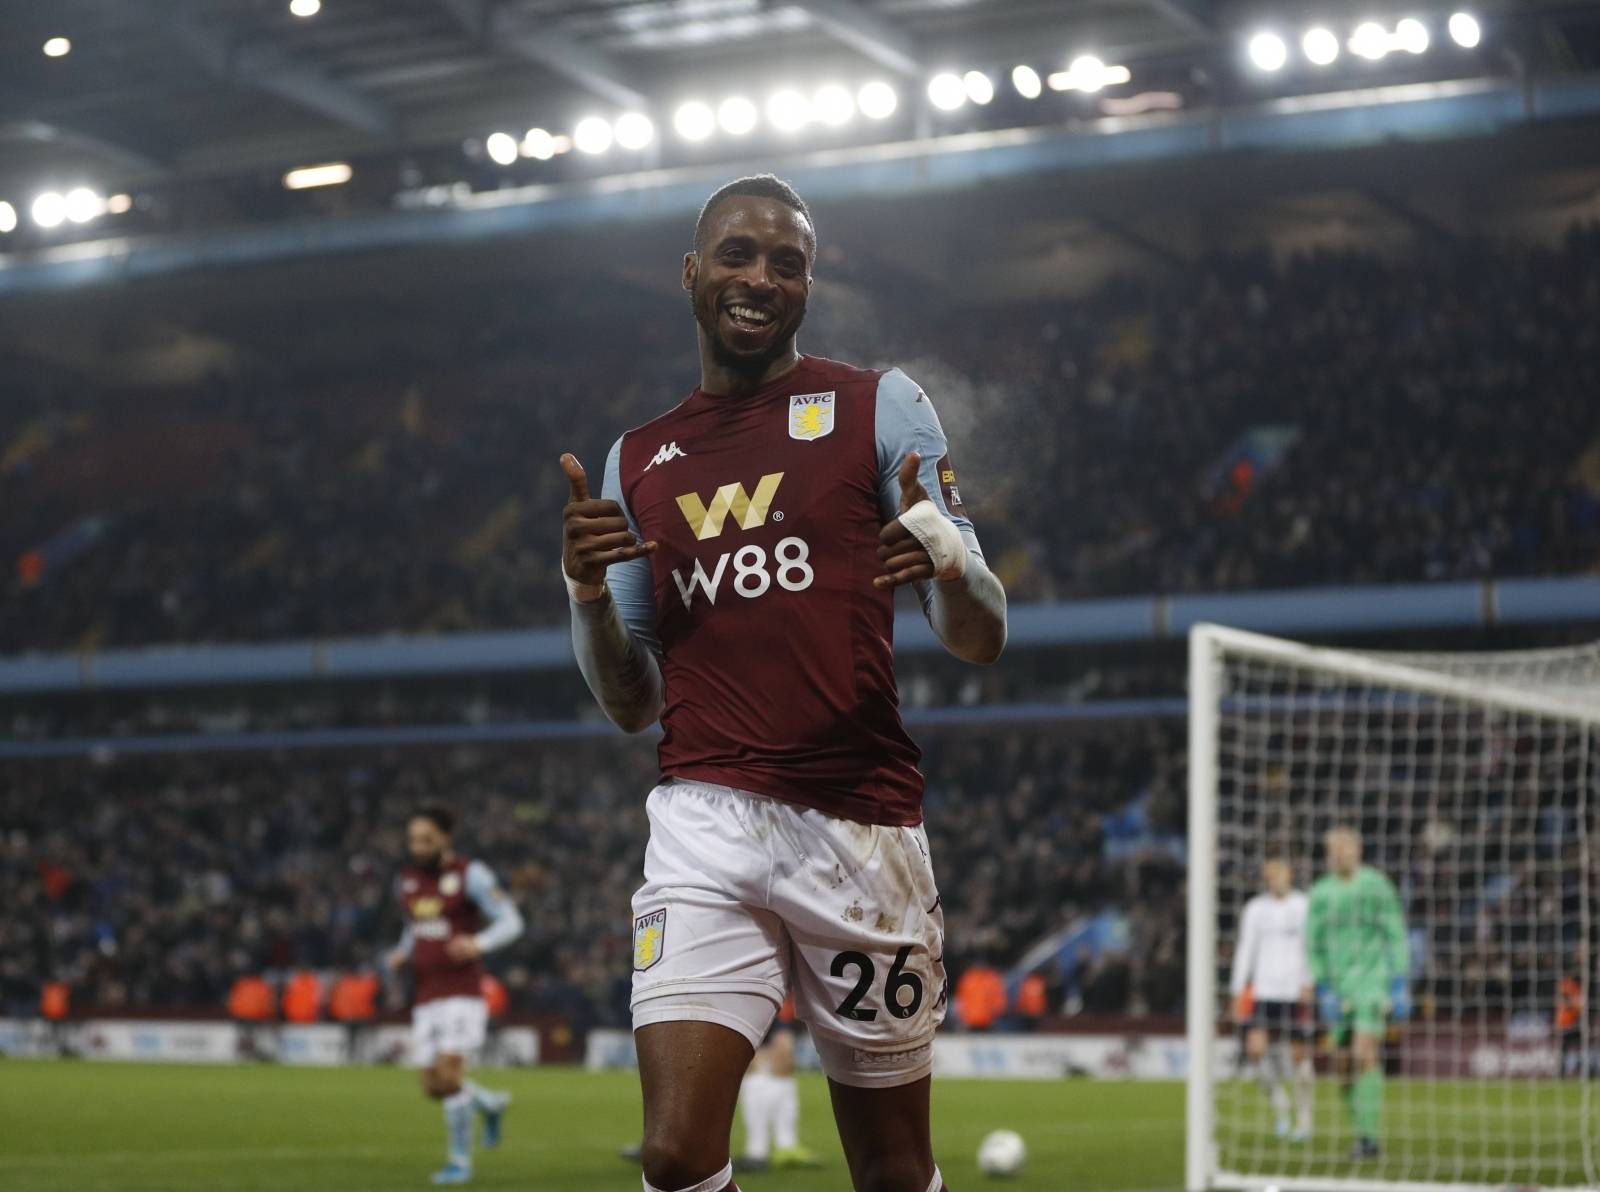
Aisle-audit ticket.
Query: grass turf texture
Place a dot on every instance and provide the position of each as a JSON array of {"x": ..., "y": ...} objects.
[
  {"x": 72, "y": 1126},
  {"x": 165, "y": 1128}
]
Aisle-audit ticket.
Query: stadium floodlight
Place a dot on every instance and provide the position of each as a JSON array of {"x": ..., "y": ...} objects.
[
  {"x": 877, "y": 100},
  {"x": 501, "y": 148},
  {"x": 947, "y": 92},
  {"x": 1411, "y": 35},
  {"x": 49, "y": 209},
  {"x": 1088, "y": 73},
  {"x": 737, "y": 115},
  {"x": 1320, "y": 45},
  {"x": 58, "y": 47},
  {"x": 305, "y": 8},
  {"x": 1465, "y": 30},
  {"x": 1369, "y": 41},
  {"x": 119, "y": 204},
  {"x": 1420, "y": 758},
  {"x": 333, "y": 173},
  {"x": 979, "y": 86},
  {"x": 593, "y": 135},
  {"x": 694, "y": 121},
  {"x": 634, "y": 131},
  {"x": 538, "y": 144},
  {"x": 833, "y": 105},
  {"x": 1268, "y": 52},
  {"x": 788, "y": 110},
  {"x": 83, "y": 204},
  {"x": 1026, "y": 80},
  {"x": 8, "y": 217}
]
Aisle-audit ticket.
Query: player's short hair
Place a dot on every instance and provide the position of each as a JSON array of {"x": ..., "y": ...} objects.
[
  {"x": 758, "y": 186},
  {"x": 438, "y": 815}
]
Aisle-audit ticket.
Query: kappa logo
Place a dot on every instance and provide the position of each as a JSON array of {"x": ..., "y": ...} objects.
[
  {"x": 810, "y": 415},
  {"x": 649, "y": 939},
  {"x": 664, "y": 453},
  {"x": 748, "y": 510}
]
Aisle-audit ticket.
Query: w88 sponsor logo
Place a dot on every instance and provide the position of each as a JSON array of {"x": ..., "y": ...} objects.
[{"x": 754, "y": 572}]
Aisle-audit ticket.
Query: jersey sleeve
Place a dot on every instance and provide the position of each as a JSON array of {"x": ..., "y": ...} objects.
[
  {"x": 505, "y": 921},
  {"x": 906, "y": 422},
  {"x": 1304, "y": 959},
  {"x": 632, "y": 586},
  {"x": 1392, "y": 920},
  {"x": 1244, "y": 954},
  {"x": 1317, "y": 936}
]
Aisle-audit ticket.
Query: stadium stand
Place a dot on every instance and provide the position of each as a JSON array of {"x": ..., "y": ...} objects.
[
  {"x": 1233, "y": 427},
  {"x": 155, "y": 883}
]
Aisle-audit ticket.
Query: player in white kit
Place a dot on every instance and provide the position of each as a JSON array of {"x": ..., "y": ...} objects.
[{"x": 1272, "y": 996}]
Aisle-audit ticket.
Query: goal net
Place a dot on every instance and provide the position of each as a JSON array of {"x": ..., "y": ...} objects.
[{"x": 1471, "y": 785}]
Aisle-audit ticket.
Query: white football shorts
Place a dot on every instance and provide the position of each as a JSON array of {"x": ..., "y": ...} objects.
[
  {"x": 746, "y": 896},
  {"x": 448, "y": 1026}
]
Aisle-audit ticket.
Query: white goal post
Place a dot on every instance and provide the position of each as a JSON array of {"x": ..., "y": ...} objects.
[{"x": 1473, "y": 781}]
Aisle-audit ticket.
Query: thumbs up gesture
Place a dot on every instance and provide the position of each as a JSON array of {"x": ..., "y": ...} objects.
[
  {"x": 904, "y": 558},
  {"x": 594, "y": 532}
]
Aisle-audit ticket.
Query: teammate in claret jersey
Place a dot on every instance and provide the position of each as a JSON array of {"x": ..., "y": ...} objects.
[
  {"x": 455, "y": 912},
  {"x": 735, "y": 580}
]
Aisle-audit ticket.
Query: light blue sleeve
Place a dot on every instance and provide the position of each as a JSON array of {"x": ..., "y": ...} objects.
[
  {"x": 632, "y": 586},
  {"x": 906, "y": 422},
  {"x": 407, "y": 941},
  {"x": 505, "y": 921}
]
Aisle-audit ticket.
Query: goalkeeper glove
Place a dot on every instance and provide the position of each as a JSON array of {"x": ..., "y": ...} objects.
[
  {"x": 1329, "y": 1005},
  {"x": 1399, "y": 1000}
]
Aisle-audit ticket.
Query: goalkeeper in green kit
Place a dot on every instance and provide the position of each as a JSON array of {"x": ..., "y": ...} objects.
[{"x": 1356, "y": 944}]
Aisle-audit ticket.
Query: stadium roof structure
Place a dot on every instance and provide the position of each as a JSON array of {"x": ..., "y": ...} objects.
[
  {"x": 154, "y": 91},
  {"x": 197, "y": 110}
]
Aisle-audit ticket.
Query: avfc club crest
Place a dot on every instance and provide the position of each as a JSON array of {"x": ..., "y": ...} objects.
[
  {"x": 649, "y": 939},
  {"x": 450, "y": 885},
  {"x": 810, "y": 415}
]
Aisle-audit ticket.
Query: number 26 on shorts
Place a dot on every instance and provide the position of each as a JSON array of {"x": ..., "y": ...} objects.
[{"x": 896, "y": 999}]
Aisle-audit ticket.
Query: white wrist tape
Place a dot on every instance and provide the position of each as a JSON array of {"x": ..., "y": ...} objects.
[
  {"x": 939, "y": 537},
  {"x": 583, "y": 593}
]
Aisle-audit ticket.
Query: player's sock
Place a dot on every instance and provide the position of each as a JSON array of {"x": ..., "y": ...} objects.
[
  {"x": 721, "y": 1182},
  {"x": 1367, "y": 1103},
  {"x": 1305, "y": 1093},
  {"x": 785, "y": 1112},
  {"x": 458, "y": 1127},
  {"x": 1280, "y": 1086},
  {"x": 937, "y": 1183},
  {"x": 756, "y": 1106},
  {"x": 485, "y": 1100},
  {"x": 1263, "y": 1073}
]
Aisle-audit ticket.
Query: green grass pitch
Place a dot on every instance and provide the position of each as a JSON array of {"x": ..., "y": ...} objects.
[{"x": 75, "y": 1127}]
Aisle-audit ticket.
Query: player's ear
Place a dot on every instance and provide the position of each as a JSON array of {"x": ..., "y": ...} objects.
[{"x": 691, "y": 269}]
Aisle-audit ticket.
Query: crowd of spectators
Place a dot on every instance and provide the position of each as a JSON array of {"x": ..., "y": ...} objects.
[
  {"x": 154, "y": 882},
  {"x": 1335, "y": 419}
]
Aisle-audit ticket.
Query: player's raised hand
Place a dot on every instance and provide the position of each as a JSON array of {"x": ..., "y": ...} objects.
[
  {"x": 904, "y": 558},
  {"x": 911, "y": 490},
  {"x": 594, "y": 532}
]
